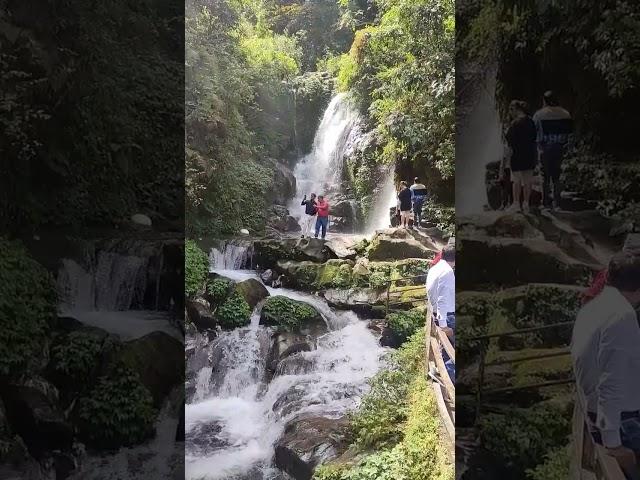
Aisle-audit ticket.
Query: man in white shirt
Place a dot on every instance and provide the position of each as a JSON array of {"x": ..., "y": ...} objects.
[
  {"x": 441, "y": 292},
  {"x": 605, "y": 348}
]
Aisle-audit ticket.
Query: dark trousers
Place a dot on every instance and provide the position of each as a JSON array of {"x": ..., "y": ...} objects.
[
  {"x": 417, "y": 211},
  {"x": 507, "y": 188},
  {"x": 551, "y": 158},
  {"x": 322, "y": 222}
]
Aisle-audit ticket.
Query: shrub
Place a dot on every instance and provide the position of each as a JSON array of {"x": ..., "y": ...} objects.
[
  {"x": 218, "y": 290},
  {"x": 556, "y": 465},
  {"x": 28, "y": 302},
  {"x": 196, "y": 268},
  {"x": 405, "y": 324},
  {"x": 76, "y": 356},
  {"x": 287, "y": 314},
  {"x": 234, "y": 312},
  {"x": 117, "y": 412}
]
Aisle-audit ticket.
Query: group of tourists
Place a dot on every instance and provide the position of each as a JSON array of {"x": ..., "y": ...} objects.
[
  {"x": 441, "y": 292},
  {"x": 316, "y": 211},
  {"x": 606, "y": 357},
  {"x": 410, "y": 201},
  {"x": 535, "y": 142}
]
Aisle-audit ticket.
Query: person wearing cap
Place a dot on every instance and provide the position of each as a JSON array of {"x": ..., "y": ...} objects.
[
  {"x": 605, "y": 350},
  {"x": 554, "y": 127}
]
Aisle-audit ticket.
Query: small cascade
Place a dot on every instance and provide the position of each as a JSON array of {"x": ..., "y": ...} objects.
[
  {"x": 385, "y": 199},
  {"x": 231, "y": 255}
]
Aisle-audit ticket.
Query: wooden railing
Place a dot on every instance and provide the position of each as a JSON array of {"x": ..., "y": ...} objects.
[
  {"x": 435, "y": 342},
  {"x": 590, "y": 461}
]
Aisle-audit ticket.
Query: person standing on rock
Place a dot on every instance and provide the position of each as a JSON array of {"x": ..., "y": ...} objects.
[
  {"x": 554, "y": 127},
  {"x": 441, "y": 293},
  {"x": 322, "y": 222},
  {"x": 404, "y": 204},
  {"x": 419, "y": 193},
  {"x": 310, "y": 211},
  {"x": 521, "y": 139},
  {"x": 606, "y": 361}
]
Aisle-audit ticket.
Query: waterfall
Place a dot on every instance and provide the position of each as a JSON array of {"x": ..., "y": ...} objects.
[
  {"x": 236, "y": 416},
  {"x": 116, "y": 286},
  {"x": 321, "y": 171},
  {"x": 478, "y": 142},
  {"x": 386, "y": 198},
  {"x": 230, "y": 255}
]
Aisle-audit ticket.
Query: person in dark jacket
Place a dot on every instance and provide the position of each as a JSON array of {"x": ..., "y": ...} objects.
[
  {"x": 404, "y": 204},
  {"x": 521, "y": 138},
  {"x": 419, "y": 192},
  {"x": 309, "y": 217}
]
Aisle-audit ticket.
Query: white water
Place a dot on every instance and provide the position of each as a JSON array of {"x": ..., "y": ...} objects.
[
  {"x": 230, "y": 256},
  {"x": 386, "y": 198},
  {"x": 236, "y": 418},
  {"x": 320, "y": 171},
  {"x": 479, "y": 142}
]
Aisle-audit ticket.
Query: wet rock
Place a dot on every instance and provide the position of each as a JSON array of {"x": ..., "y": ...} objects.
[
  {"x": 200, "y": 316},
  {"x": 295, "y": 364},
  {"x": 158, "y": 358},
  {"x": 141, "y": 219},
  {"x": 39, "y": 421},
  {"x": 284, "y": 184},
  {"x": 358, "y": 299},
  {"x": 267, "y": 277},
  {"x": 282, "y": 342},
  {"x": 252, "y": 291},
  {"x": 279, "y": 219},
  {"x": 268, "y": 252},
  {"x": 291, "y": 315},
  {"x": 312, "y": 276},
  {"x": 308, "y": 442}
]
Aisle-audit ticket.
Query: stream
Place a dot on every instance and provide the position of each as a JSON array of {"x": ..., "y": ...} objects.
[{"x": 235, "y": 416}]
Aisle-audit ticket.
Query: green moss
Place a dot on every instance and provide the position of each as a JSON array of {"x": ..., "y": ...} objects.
[
  {"x": 288, "y": 314},
  {"x": 76, "y": 357},
  {"x": 28, "y": 303},
  {"x": 405, "y": 324},
  {"x": 234, "y": 312},
  {"x": 196, "y": 265},
  {"x": 118, "y": 411},
  {"x": 334, "y": 274},
  {"x": 218, "y": 290}
]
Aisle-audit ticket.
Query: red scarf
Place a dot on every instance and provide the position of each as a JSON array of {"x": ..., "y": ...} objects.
[
  {"x": 437, "y": 258},
  {"x": 597, "y": 285}
]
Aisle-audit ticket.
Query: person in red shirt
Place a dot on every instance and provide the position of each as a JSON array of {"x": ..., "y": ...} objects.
[{"x": 322, "y": 222}]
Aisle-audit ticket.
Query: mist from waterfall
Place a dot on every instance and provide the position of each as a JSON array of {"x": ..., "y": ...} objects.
[{"x": 478, "y": 142}]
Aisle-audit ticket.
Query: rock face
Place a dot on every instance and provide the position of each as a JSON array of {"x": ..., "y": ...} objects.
[
  {"x": 282, "y": 346},
  {"x": 308, "y": 442},
  {"x": 280, "y": 220},
  {"x": 354, "y": 298},
  {"x": 316, "y": 276},
  {"x": 400, "y": 244},
  {"x": 159, "y": 360},
  {"x": 201, "y": 316},
  {"x": 284, "y": 184},
  {"x": 252, "y": 291},
  {"x": 268, "y": 252},
  {"x": 37, "y": 419},
  {"x": 291, "y": 315}
]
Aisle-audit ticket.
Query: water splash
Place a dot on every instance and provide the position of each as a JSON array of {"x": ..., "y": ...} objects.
[
  {"x": 385, "y": 199},
  {"x": 230, "y": 255}
]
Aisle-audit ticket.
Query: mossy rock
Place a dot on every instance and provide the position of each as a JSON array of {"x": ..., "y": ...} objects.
[
  {"x": 383, "y": 247},
  {"x": 253, "y": 291},
  {"x": 476, "y": 305},
  {"x": 218, "y": 290},
  {"x": 234, "y": 312},
  {"x": 311, "y": 276},
  {"x": 290, "y": 315},
  {"x": 335, "y": 274}
]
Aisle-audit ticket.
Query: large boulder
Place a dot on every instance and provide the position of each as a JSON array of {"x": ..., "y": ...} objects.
[
  {"x": 34, "y": 416},
  {"x": 280, "y": 220},
  {"x": 310, "y": 441},
  {"x": 283, "y": 186},
  {"x": 200, "y": 315},
  {"x": 283, "y": 345},
  {"x": 357, "y": 299},
  {"x": 252, "y": 291},
  {"x": 158, "y": 358},
  {"x": 397, "y": 245},
  {"x": 268, "y": 252},
  {"x": 315, "y": 276},
  {"x": 291, "y": 315}
]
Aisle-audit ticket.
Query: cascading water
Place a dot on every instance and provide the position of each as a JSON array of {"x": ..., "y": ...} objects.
[
  {"x": 320, "y": 171},
  {"x": 230, "y": 255},
  {"x": 385, "y": 199},
  {"x": 236, "y": 415},
  {"x": 478, "y": 142}
]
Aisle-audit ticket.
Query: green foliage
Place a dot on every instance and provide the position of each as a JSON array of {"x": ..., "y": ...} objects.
[
  {"x": 28, "y": 302},
  {"x": 288, "y": 314},
  {"x": 444, "y": 217},
  {"x": 196, "y": 268},
  {"x": 105, "y": 152},
  {"x": 118, "y": 411},
  {"x": 76, "y": 356},
  {"x": 379, "y": 420},
  {"x": 523, "y": 437},
  {"x": 555, "y": 467},
  {"x": 218, "y": 289},
  {"x": 234, "y": 312},
  {"x": 405, "y": 324}
]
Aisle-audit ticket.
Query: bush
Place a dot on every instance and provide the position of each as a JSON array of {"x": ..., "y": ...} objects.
[
  {"x": 117, "y": 412},
  {"x": 196, "y": 268},
  {"x": 288, "y": 314},
  {"x": 76, "y": 357},
  {"x": 556, "y": 465},
  {"x": 405, "y": 324},
  {"x": 218, "y": 290},
  {"x": 28, "y": 302},
  {"x": 234, "y": 312}
]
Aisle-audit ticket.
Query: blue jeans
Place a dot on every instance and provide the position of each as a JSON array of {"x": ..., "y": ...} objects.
[
  {"x": 322, "y": 222},
  {"x": 418, "y": 202}
]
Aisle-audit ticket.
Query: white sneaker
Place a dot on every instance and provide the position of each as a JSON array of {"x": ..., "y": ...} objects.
[
  {"x": 513, "y": 208},
  {"x": 525, "y": 207}
]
